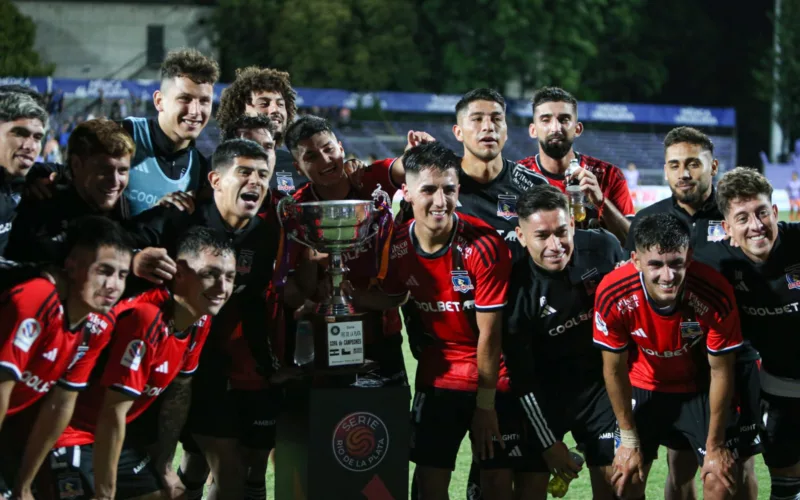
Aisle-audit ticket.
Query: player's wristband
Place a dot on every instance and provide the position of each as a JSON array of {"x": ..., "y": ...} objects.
[
  {"x": 629, "y": 438},
  {"x": 485, "y": 399}
]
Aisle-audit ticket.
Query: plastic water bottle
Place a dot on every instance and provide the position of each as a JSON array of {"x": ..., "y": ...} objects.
[
  {"x": 557, "y": 486},
  {"x": 304, "y": 343},
  {"x": 577, "y": 204}
]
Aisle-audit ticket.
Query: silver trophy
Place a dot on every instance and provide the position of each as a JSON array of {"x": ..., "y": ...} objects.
[{"x": 335, "y": 227}]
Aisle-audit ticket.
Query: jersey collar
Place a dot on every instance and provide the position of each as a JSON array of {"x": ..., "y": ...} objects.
[
  {"x": 709, "y": 210},
  {"x": 555, "y": 177},
  {"x": 441, "y": 251}
]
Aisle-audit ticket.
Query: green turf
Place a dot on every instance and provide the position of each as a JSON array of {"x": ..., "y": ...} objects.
[{"x": 580, "y": 488}]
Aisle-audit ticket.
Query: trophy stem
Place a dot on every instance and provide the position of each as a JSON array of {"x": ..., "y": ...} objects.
[{"x": 338, "y": 304}]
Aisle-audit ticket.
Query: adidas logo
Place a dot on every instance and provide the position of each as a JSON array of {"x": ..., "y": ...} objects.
[
  {"x": 412, "y": 281},
  {"x": 515, "y": 452},
  {"x": 51, "y": 354},
  {"x": 163, "y": 367},
  {"x": 639, "y": 333},
  {"x": 741, "y": 287},
  {"x": 547, "y": 310},
  {"x": 141, "y": 168}
]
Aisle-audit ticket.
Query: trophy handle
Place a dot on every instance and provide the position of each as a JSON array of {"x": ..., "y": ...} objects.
[
  {"x": 381, "y": 197},
  {"x": 282, "y": 208}
]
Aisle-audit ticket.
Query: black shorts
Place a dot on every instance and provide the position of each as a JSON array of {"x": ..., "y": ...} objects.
[
  {"x": 742, "y": 433},
  {"x": 585, "y": 412},
  {"x": 671, "y": 417},
  {"x": 440, "y": 418},
  {"x": 220, "y": 412},
  {"x": 781, "y": 433},
  {"x": 71, "y": 473}
]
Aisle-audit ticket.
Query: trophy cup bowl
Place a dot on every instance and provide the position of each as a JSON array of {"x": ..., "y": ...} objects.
[{"x": 335, "y": 227}]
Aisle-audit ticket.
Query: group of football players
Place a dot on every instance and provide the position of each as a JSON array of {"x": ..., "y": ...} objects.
[{"x": 150, "y": 297}]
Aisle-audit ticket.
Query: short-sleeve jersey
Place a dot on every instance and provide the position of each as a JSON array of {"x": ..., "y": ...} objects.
[
  {"x": 548, "y": 334},
  {"x": 36, "y": 345},
  {"x": 469, "y": 274},
  {"x": 610, "y": 178},
  {"x": 144, "y": 357},
  {"x": 495, "y": 202},
  {"x": 665, "y": 349},
  {"x": 768, "y": 295}
]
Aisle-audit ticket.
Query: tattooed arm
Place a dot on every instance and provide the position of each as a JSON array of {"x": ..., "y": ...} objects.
[{"x": 172, "y": 416}]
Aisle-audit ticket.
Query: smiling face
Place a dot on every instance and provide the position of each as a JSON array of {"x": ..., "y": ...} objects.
[
  {"x": 240, "y": 188},
  {"x": 271, "y": 104},
  {"x": 100, "y": 179},
  {"x": 548, "y": 237},
  {"x": 689, "y": 169},
  {"x": 321, "y": 159},
  {"x": 20, "y": 144},
  {"x": 753, "y": 224},
  {"x": 97, "y": 278},
  {"x": 482, "y": 128},
  {"x": 663, "y": 273},
  {"x": 433, "y": 196},
  {"x": 555, "y": 125},
  {"x": 204, "y": 281},
  {"x": 184, "y": 108}
]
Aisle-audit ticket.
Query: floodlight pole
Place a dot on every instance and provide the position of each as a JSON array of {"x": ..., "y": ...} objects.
[{"x": 776, "y": 135}]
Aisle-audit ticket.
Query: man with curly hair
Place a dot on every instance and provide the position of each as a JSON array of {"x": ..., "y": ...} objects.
[
  {"x": 265, "y": 91},
  {"x": 166, "y": 157}
]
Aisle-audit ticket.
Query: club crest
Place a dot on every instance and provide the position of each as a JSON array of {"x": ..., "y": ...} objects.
[
  {"x": 461, "y": 281},
  {"x": 507, "y": 206}
]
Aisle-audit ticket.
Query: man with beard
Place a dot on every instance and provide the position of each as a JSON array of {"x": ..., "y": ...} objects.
[
  {"x": 762, "y": 267},
  {"x": 689, "y": 166},
  {"x": 265, "y": 91},
  {"x": 555, "y": 125},
  {"x": 51, "y": 332},
  {"x": 240, "y": 175},
  {"x": 99, "y": 160},
  {"x": 22, "y": 126}
]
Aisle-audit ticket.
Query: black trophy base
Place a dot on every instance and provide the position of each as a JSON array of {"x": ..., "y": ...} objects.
[{"x": 343, "y": 443}]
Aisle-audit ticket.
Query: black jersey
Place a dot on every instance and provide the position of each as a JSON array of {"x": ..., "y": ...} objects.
[
  {"x": 548, "y": 320},
  {"x": 495, "y": 202},
  {"x": 10, "y": 195},
  {"x": 286, "y": 179},
  {"x": 39, "y": 234},
  {"x": 768, "y": 296},
  {"x": 706, "y": 223},
  {"x": 256, "y": 250}
]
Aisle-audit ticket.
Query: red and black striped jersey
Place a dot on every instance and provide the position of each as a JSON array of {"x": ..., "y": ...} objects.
[
  {"x": 469, "y": 274},
  {"x": 609, "y": 177},
  {"x": 37, "y": 346},
  {"x": 664, "y": 348},
  {"x": 144, "y": 357}
]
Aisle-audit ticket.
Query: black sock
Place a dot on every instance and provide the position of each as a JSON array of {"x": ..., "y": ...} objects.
[
  {"x": 785, "y": 487},
  {"x": 194, "y": 489},
  {"x": 255, "y": 490}
]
